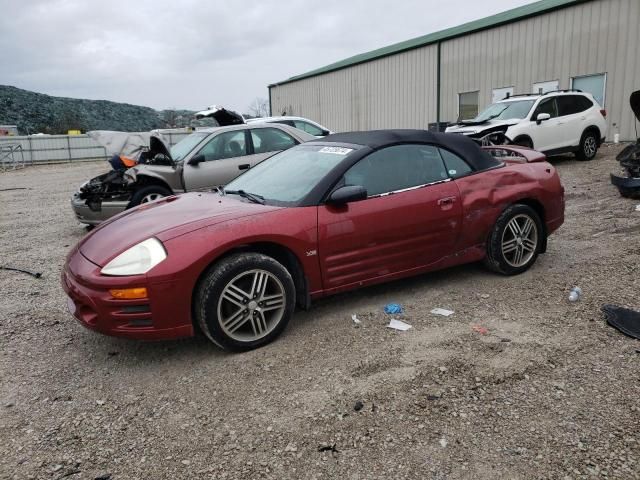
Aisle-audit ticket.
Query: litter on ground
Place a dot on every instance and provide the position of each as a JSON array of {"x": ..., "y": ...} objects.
[
  {"x": 479, "y": 329},
  {"x": 624, "y": 319},
  {"x": 393, "y": 308},
  {"x": 398, "y": 325},
  {"x": 355, "y": 319},
  {"x": 442, "y": 311}
]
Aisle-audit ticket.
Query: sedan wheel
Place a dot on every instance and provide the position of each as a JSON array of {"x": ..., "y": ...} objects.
[
  {"x": 515, "y": 240},
  {"x": 251, "y": 305},
  {"x": 151, "y": 197},
  {"x": 244, "y": 301},
  {"x": 519, "y": 240}
]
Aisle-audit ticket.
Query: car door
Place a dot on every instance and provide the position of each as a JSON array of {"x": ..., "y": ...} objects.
[
  {"x": 267, "y": 141},
  {"x": 572, "y": 115},
  {"x": 218, "y": 161},
  {"x": 410, "y": 219},
  {"x": 547, "y": 134}
]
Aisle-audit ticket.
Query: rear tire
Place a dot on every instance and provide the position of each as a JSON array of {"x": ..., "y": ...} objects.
[
  {"x": 148, "y": 194},
  {"x": 245, "y": 301},
  {"x": 515, "y": 241},
  {"x": 588, "y": 146}
]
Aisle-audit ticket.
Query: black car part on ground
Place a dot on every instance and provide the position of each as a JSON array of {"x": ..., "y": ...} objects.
[
  {"x": 629, "y": 182},
  {"x": 624, "y": 319}
]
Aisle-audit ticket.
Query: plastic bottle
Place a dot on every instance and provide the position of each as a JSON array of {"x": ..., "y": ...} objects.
[{"x": 574, "y": 294}]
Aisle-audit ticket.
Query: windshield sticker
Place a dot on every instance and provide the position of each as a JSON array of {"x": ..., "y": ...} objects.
[{"x": 336, "y": 150}]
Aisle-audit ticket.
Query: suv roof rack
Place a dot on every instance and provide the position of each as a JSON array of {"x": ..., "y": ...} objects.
[
  {"x": 566, "y": 90},
  {"x": 541, "y": 94}
]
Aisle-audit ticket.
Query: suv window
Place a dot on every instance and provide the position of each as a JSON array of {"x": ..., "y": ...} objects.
[
  {"x": 271, "y": 140},
  {"x": 548, "y": 105},
  {"x": 225, "y": 145},
  {"x": 307, "y": 127},
  {"x": 456, "y": 167},
  {"x": 570, "y": 104},
  {"x": 397, "y": 168}
]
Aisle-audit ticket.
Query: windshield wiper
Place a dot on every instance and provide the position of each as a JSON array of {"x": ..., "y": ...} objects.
[{"x": 254, "y": 197}]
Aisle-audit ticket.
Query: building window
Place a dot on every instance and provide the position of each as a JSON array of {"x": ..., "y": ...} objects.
[
  {"x": 467, "y": 105},
  {"x": 544, "y": 87},
  {"x": 498, "y": 94},
  {"x": 593, "y": 84}
]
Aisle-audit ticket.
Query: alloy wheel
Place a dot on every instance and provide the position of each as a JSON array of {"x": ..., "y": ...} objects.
[
  {"x": 251, "y": 305},
  {"x": 590, "y": 147},
  {"x": 519, "y": 240},
  {"x": 151, "y": 197}
]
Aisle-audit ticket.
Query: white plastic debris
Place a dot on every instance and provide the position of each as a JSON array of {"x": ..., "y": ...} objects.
[
  {"x": 355, "y": 319},
  {"x": 398, "y": 325},
  {"x": 443, "y": 442},
  {"x": 442, "y": 311},
  {"x": 638, "y": 208}
]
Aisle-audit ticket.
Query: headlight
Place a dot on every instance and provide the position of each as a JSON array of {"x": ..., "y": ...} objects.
[{"x": 137, "y": 260}]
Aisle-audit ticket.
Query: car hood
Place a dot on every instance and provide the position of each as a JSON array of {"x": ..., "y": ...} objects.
[
  {"x": 476, "y": 127},
  {"x": 164, "y": 219},
  {"x": 221, "y": 115},
  {"x": 634, "y": 101}
]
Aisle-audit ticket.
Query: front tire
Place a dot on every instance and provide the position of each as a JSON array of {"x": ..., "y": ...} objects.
[
  {"x": 588, "y": 146},
  {"x": 515, "y": 241},
  {"x": 245, "y": 301},
  {"x": 523, "y": 142},
  {"x": 148, "y": 194}
]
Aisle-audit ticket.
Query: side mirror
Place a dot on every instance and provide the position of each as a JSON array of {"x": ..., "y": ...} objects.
[
  {"x": 196, "y": 160},
  {"x": 350, "y": 193},
  {"x": 542, "y": 117},
  {"x": 324, "y": 133}
]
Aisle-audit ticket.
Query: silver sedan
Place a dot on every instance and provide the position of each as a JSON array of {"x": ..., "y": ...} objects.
[{"x": 204, "y": 160}]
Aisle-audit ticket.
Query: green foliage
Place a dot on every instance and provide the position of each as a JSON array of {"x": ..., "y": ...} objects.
[{"x": 36, "y": 112}]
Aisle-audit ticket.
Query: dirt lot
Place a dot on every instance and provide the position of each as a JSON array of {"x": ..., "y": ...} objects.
[{"x": 550, "y": 391}]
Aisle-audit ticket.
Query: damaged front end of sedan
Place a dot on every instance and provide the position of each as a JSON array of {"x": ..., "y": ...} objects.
[
  {"x": 113, "y": 192},
  {"x": 628, "y": 181}
]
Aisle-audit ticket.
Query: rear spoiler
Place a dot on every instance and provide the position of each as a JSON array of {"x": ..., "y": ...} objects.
[{"x": 513, "y": 152}]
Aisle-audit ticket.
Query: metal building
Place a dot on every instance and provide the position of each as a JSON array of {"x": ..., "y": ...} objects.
[{"x": 592, "y": 45}]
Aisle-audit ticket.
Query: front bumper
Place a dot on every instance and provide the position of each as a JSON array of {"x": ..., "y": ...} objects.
[
  {"x": 85, "y": 214},
  {"x": 89, "y": 301}
]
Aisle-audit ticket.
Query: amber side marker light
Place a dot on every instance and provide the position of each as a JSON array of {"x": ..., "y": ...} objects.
[{"x": 129, "y": 293}]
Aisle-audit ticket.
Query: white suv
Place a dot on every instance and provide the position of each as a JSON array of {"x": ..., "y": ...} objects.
[
  {"x": 553, "y": 122},
  {"x": 300, "y": 123}
]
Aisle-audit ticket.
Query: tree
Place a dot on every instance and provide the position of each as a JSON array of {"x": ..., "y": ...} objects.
[{"x": 259, "y": 107}]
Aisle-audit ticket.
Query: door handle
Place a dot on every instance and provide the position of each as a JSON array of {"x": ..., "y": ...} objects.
[
  {"x": 446, "y": 201},
  {"x": 244, "y": 166}
]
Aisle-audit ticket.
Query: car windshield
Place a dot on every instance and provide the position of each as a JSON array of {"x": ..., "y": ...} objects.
[
  {"x": 184, "y": 146},
  {"x": 288, "y": 177},
  {"x": 505, "y": 110}
]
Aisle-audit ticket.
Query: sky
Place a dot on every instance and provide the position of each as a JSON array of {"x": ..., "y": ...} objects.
[{"x": 189, "y": 54}]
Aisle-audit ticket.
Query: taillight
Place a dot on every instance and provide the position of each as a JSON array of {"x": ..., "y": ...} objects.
[{"x": 603, "y": 112}]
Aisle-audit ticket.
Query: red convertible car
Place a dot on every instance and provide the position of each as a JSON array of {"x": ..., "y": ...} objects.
[{"x": 347, "y": 211}]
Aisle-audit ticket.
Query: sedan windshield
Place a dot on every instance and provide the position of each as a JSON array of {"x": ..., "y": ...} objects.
[
  {"x": 184, "y": 146},
  {"x": 288, "y": 177},
  {"x": 505, "y": 110}
]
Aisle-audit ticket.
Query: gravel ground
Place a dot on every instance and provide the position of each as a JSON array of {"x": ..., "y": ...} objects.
[{"x": 548, "y": 391}]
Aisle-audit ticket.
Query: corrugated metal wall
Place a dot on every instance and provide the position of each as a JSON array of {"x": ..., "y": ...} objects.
[
  {"x": 601, "y": 36},
  {"x": 396, "y": 91}
]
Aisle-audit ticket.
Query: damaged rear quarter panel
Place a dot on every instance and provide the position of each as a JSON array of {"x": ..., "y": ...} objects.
[{"x": 486, "y": 195}]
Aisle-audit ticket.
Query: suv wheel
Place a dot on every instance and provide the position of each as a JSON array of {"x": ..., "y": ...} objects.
[
  {"x": 588, "y": 146},
  {"x": 523, "y": 142}
]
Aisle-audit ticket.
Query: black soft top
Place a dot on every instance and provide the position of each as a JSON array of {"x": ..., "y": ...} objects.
[{"x": 457, "y": 143}]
